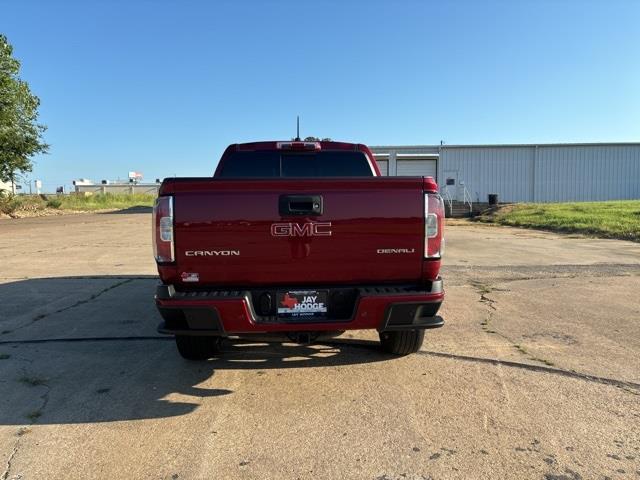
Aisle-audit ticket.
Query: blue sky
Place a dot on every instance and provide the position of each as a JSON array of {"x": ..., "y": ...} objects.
[{"x": 163, "y": 86}]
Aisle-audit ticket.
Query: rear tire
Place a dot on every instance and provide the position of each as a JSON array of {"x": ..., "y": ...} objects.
[
  {"x": 402, "y": 342},
  {"x": 197, "y": 348}
]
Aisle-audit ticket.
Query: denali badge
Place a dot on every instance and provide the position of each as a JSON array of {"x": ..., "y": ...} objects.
[
  {"x": 211, "y": 253},
  {"x": 309, "y": 229},
  {"x": 382, "y": 251}
]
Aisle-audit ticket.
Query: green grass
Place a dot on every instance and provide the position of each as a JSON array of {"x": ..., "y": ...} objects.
[
  {"x": 104, "y": 201},
  {"x": 26, "y": 204},
  {"x": 615, "y": 219},
  {"x": 32, "y": 381},
  {"x": 34, "y": 415}
]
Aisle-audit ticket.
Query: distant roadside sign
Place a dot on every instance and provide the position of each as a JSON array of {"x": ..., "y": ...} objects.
[{"x": 136, "y": 176}]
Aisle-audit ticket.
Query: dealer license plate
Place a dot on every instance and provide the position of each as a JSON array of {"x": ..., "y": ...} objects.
[{"x": 302, "y": 304}]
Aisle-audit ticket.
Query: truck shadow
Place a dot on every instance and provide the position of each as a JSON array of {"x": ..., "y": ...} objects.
[
  {"x": 242, "y": 354},
  {"x": 92, "y": 355}
]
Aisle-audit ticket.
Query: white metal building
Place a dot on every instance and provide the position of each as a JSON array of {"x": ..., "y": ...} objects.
[
  {"x": 523, "y": 173},
  {"x": 7, "y": 187}
]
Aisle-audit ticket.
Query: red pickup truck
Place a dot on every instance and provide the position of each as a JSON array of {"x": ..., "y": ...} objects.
[{"x": 303, "y": 239}]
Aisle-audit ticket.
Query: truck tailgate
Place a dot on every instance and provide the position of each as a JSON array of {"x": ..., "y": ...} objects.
[{"x": 235, "y": 232}]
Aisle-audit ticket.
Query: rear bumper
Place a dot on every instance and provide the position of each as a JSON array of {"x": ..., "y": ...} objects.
[{"x": 226, "y": 312}]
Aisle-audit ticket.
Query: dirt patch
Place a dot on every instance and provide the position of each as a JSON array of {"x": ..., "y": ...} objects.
[
  {"x": 490, "y": 214},
  {"x": 457, "y": 221},
  {"x": 47, "y": 212}
]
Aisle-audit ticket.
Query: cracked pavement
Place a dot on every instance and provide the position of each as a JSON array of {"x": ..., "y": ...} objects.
[{"x": 536, "y": 373}]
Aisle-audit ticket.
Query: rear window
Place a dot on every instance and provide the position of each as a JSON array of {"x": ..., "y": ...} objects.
[{"x": 269, "y": 163}]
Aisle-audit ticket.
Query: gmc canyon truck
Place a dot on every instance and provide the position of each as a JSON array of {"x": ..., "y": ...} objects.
[{"x": 303, "y": 239}]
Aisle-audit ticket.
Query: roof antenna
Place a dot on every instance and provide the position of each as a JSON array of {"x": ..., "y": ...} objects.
[{"x": 297, "y": 139}]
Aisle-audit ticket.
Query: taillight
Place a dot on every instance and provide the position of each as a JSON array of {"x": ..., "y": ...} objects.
[
  {"x": 163, "y": 230},
  {"x": 433, "y": 225}
]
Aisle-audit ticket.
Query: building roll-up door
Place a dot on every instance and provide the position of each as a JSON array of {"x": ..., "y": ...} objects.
[
  {"x": 422, "y": 167},
  {"x": 383, "y": 165}
]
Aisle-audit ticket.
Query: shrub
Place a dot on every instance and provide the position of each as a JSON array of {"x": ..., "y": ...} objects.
[{"x": 54, "y": 203}]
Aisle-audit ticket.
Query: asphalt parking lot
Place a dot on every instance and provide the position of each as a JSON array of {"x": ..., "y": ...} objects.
[{"x": 536, "y": 373}]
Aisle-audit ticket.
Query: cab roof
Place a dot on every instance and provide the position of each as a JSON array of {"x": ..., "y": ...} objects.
[{"x": 275, "y": 145}]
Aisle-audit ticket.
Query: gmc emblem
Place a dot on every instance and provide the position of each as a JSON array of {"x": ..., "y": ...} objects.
[{"x": 308, "y": 229}]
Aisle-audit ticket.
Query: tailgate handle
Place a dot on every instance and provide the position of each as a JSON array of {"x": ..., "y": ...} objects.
[{"x": 300, "y": 205}]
